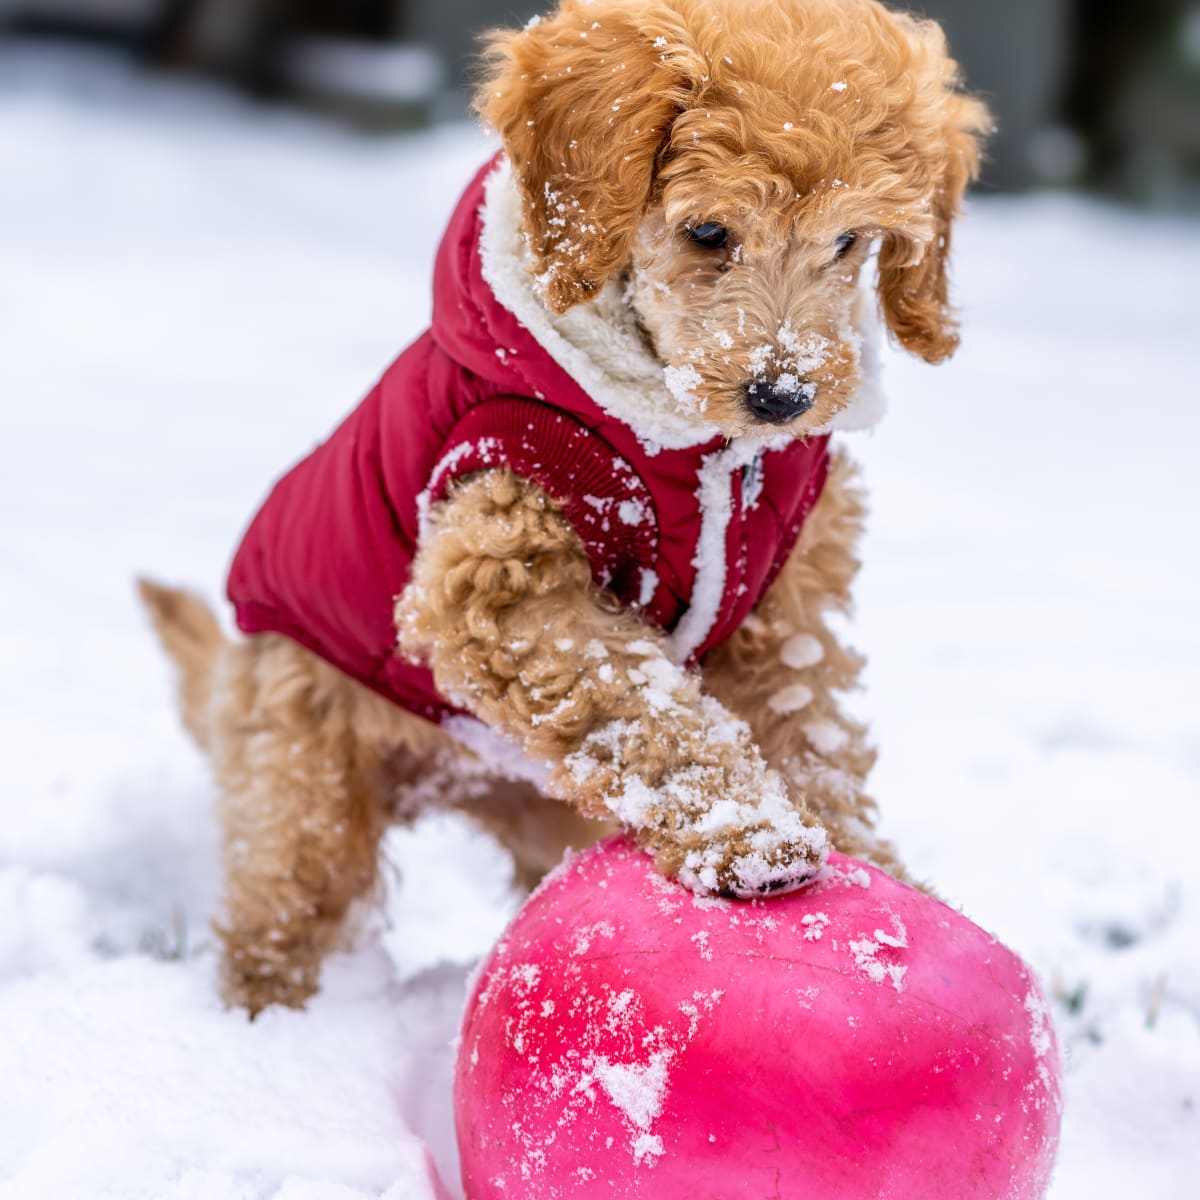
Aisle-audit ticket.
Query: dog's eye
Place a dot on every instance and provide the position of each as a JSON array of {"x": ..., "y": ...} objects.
[
  {"x": 844, "y": 244},
  {"x": 710, "y": 235}
]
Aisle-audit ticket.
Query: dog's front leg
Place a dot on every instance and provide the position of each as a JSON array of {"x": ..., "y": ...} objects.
[{"x": 502, "y": 606}]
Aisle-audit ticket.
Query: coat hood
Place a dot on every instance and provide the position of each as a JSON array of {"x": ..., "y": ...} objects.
[{"x": 591, "y": 360}]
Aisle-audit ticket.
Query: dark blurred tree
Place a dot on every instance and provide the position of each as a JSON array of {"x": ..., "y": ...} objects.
[
  {"x": 1100, "y": 92},
  {"x": 1132, "y": 92},
  {"x": 243, "y": 38}
]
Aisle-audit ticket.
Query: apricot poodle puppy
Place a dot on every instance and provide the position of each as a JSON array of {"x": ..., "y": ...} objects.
[{"x": 591, "y": 519}]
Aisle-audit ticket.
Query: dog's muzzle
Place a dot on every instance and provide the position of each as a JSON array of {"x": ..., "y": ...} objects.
[{"x": 774, "y": 404}]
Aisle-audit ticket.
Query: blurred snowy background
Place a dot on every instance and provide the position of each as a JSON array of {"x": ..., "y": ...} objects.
[{"x": 216, "y": 226}]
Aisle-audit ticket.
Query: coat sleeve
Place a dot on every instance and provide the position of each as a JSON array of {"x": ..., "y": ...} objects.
[{"x": 599, "y": 492}]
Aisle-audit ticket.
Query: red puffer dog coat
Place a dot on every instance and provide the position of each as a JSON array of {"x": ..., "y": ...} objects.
[{"x": 690, "y": 532}]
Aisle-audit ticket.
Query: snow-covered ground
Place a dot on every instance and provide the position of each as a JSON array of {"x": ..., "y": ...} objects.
[{"x": 192, "y": 291}]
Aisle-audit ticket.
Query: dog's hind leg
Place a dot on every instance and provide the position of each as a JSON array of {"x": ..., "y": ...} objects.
[
  {"x": 302, "y": 813},
  {"x": 300, "y": 810}
]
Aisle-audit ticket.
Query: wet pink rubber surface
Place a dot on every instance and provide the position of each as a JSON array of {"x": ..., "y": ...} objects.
[{"x": 855, "y": 1039}]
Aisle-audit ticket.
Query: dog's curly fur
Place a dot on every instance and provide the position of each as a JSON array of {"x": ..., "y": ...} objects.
[{"x": 791, "y": 124}]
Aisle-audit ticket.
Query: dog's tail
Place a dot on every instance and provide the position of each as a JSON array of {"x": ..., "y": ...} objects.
[{"x": 192, "y": 638}]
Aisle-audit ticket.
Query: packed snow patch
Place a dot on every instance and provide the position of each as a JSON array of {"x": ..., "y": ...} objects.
[
  {"x": 637, "y": 1089},
  {"x": 871, "y": 959}
]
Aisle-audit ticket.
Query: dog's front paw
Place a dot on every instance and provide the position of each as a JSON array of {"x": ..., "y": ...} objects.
[
  {"x": 765, "y": 861},
  {"x": 753, "y": 875},
  {"x": 700, "y": 799},
  {"x": 739, "y": 848}
]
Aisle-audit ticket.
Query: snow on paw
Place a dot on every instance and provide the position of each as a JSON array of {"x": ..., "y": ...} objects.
[
  {"x": 709, "y": 810},
  {"x": 762, "y": 863},
  {"x": 752, "y": 879},
  {"x": 745, "y": 861}
]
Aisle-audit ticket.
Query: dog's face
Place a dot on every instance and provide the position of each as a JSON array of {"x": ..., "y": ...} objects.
[
  {"x": 749, "y": 304},
  {"x": 734, "y": 161}
]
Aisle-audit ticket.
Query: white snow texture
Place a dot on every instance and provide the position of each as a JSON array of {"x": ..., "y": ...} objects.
[{"x": 192, "y": 291}]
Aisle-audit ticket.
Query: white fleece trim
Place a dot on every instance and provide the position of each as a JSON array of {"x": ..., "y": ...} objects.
[
  {"x": 598, "y": 344},
  {"x": 715, "y": 494},
  {"x": 499, "y": 754},
  {"x": 601, "y": 347},
  {"x": 485, "y": 448}
]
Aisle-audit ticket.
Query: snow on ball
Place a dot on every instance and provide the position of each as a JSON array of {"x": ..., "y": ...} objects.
[{"x": 855, "y": 1039}]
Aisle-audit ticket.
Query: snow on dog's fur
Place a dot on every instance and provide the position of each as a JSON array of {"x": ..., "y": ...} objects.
[{"x": 711, "y": 174}]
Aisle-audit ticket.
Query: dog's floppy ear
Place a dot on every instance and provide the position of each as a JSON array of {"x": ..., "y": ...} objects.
[
  {"x": 583, "y": 101},
  {"x": 913, "y": 287}
]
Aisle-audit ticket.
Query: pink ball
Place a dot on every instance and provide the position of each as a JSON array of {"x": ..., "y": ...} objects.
[{"x": 855, "y": 1039}]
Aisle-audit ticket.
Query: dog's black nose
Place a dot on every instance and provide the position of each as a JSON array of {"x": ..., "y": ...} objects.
[{"x": 776, "y": 404}]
